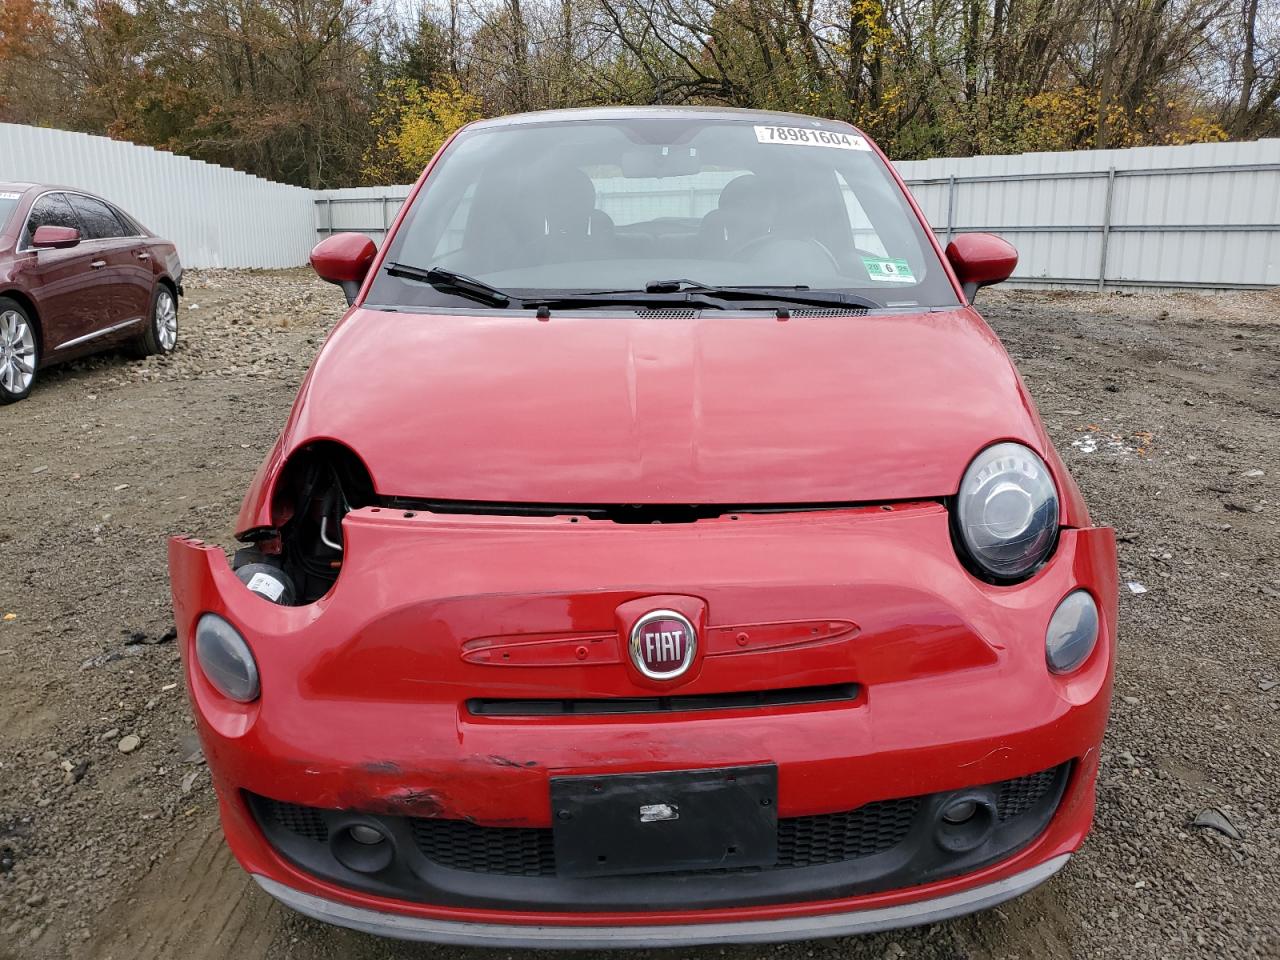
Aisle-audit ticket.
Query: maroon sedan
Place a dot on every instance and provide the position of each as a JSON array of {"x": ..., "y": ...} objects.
[{"x": 78, "y": 275}]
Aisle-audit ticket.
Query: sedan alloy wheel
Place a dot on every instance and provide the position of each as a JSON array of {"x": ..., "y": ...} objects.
[{"x": 17, "y": 354}]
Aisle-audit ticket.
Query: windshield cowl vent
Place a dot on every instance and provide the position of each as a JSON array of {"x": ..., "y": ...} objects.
[
  {"x": 675, "y": 314},
  {"x": 829, "y": 312}
]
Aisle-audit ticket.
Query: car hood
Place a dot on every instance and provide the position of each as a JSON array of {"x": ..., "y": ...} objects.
[{"x": 726, "y": 408}]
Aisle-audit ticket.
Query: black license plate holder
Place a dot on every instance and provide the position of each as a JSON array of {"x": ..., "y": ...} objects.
[{"x": 667, "y": 822}]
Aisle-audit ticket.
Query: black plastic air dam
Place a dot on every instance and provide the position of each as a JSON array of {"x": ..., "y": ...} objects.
[{"x": 885, "y": 845}]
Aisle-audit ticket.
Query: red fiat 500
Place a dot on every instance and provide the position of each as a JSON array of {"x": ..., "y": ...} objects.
[{"x": 660, "y": 551}]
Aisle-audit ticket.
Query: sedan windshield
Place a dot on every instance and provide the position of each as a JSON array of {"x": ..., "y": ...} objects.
[{"x": 668, "y": 208}]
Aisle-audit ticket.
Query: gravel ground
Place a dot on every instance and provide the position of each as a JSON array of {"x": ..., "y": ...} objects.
[{"x": 1166, "y": 408}]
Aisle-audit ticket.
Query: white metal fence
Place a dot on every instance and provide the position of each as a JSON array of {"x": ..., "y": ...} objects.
[
  {"x": 1205, "y": 215},
  {"x": 1202, "y": 216},
  {"x": 216, "y": 216}
]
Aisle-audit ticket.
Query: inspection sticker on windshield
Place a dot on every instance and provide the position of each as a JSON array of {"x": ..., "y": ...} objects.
[
  {"x": 800, "y": 136},
  {"x": 888, "y": 271}
]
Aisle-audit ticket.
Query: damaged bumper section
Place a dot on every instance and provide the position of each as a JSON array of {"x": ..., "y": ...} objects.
[{"x": 453, "y": 744}]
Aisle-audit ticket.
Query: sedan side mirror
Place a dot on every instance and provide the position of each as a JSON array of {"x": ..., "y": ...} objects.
[
  {"x": 979, "y": 260},
  {"x": 344, "y": 259},
  {"x": 55, "y": 238}
]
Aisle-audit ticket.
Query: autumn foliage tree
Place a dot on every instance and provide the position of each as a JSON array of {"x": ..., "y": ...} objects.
[
  {"x": 336, "y": 92},
  {"x": 413, "y": 122}
]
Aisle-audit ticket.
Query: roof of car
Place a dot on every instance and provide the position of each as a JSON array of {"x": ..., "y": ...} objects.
[
  {"x": 632, "y": 113},
  {"x": 11, "y": 186}
]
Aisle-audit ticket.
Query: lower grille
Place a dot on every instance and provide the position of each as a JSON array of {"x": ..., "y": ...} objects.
[
  {"x": 802, "y": 841},
  {"x": 304, "y": 821},
  {"x": 510, "y": 851},
  {"x": 882, "y": 845},
  {"x": 835, "y": 837},
  {"x": 1015, "y": 797}
]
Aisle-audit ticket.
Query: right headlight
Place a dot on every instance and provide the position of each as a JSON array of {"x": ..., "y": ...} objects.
[{"x": 1007, "y": 512}]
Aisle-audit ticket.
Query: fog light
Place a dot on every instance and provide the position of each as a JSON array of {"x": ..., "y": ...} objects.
[
  {"x": 960, "y": 812},
  {"x": 1072, "y": 633},
  {"x": 966, "y": 822},
  {"x": 367, "y": 835},
  {"x": 362, "y": 847},
  {"x": 226, "y": 659}
]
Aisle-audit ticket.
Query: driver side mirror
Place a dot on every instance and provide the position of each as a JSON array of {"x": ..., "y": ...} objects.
[
  {"x": 344, "y": 259},
  {"x": 979, "y": 260},
  {"x": 50, "y": 237}
]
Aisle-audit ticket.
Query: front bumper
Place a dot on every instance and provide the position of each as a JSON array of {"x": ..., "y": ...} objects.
[{"x": 368, "y": 702}]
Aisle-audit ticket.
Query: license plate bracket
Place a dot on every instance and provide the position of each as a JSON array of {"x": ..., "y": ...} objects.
[{"x": 634, "y": 823}]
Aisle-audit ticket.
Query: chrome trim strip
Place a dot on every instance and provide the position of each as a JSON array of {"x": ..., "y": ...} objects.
[
  {"x": 98, "y": 333},
  {"x": 663, "y": 935}
]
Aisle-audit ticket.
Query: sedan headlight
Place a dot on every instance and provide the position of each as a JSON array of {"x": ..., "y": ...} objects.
[
  {"x": 1007, "y": 512},
  {"x": 226, "y": 659}
]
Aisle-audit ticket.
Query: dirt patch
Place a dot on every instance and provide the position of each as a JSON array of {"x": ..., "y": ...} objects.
[{"x": 1166, "y": 408}]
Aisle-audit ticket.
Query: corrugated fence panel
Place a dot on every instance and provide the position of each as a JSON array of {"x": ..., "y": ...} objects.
[
  {"x": 367, "y": 210},
  {"x": 1202, "y": 215},
  {"x": 217, "y": 217}
]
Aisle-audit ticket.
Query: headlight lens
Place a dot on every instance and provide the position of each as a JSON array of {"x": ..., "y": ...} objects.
[
  {"x": 226, "y": 659},
  {"x": 1073, "y": 630},
  {"x": 1007, "y": 511}
]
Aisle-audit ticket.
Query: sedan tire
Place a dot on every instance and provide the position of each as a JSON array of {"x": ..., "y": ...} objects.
[
  {"x": 161, "y": 334},
  {"x": 19, "y": 351}
]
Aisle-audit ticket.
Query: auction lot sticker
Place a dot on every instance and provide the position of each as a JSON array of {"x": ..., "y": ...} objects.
[
  {"x": 888, "y": 271},
  {"x": 803, "y": 137},
  {"x": 10, "y": 196}
]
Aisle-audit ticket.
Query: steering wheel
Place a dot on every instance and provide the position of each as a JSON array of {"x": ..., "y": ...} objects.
[{"x": 753, "y": 249}]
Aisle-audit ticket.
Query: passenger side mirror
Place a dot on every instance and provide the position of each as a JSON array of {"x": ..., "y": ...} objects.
[
  {"x": 55, "y": 238},
  {"x": 979, "y": 260},
  {"x": 344, "y": 259}
]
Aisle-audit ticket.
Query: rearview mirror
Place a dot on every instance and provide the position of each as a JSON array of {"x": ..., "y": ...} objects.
[
  {"x": 55, "y": 238},
  {"x": 652, "y": 160},
  {"x": 979, "y": 260},
  {"x": 344, "y": 259}
]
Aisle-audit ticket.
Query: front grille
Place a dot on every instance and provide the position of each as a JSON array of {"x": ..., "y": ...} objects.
[
  {"x": 511, "y": 851},
  {"x": 747, "y": 699},
  {"x": 1015, "y": 797}
]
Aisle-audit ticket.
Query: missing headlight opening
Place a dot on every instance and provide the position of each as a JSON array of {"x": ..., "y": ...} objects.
[{"x": 298, "y": 561}]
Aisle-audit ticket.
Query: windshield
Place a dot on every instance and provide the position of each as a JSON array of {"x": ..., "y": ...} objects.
[
  {"x": 563, "y": 207},
  {"x": 8, "y": 204}
]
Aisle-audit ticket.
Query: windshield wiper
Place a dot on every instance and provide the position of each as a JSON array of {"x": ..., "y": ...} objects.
[
  {"x": 451, "y": 282},
  {"x": 782, "y": 294},
  {"x": 633, "y": 298},
  {"x": 658, "y": 293},
  {"x": 473, "y": 289}
]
